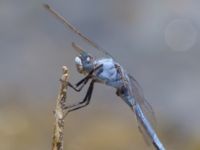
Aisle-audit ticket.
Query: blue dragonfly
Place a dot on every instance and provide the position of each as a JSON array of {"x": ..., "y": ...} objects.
[{"x": 108, "y": 71}]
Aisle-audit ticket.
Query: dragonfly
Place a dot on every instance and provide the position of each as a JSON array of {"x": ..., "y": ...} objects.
[{"x": 108, "y": 71}]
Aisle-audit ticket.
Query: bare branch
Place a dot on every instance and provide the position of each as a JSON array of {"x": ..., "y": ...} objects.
[{"x": 58, "y": 132}]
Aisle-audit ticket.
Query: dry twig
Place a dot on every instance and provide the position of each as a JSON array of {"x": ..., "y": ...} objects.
[{"x": 58, "y": 133}]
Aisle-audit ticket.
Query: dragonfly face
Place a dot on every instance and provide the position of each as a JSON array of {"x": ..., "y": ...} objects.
[{"x": 84, "y": 63}]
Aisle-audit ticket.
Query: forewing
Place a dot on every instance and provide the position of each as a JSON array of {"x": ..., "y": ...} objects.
[{"x": 76, "y": 31}]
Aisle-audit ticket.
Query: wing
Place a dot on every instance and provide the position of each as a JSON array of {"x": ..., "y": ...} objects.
[
  {"x": 76, "y": 31},
  {"x": 146, "y": 128},
  {"x": 144, "y": 114},
  {"x": 140, "y": 99}
]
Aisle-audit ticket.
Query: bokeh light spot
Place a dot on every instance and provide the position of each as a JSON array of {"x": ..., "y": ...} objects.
[{"x": 180, "y": 35}]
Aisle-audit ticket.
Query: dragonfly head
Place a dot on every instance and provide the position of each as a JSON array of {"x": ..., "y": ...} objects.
[{"x": 84, "y": 62}]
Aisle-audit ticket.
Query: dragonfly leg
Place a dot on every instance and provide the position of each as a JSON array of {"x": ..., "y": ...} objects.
[
  {"x": 79, "y": 88},
  {"x": 85, "y": 101},
  {"x": 89, "y": 75},
  {"x": 84, "y": 81}
]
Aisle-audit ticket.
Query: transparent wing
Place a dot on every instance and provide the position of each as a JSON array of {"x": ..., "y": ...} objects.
[
  {"x": 76, "y": 31},
  {"x": 146, "y": 109},
  {"x": 144, "y": 104}
]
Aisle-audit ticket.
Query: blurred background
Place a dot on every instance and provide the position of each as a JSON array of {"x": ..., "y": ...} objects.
[{"x": 156, "y": 41}]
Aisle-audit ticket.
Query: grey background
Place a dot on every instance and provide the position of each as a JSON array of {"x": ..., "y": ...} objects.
[{"x": 156, "y": 41}]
